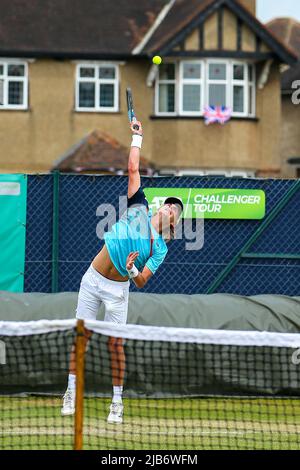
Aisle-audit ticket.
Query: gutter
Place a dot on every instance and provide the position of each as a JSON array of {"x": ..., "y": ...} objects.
[{"x": 69, "y": 55}]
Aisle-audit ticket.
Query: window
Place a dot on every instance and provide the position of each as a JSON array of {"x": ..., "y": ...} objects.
[
  {"x": 191, "y": 99},
  {"x": 186, "y": 87},
  {"x": 252, "y": 90},
  {"x": 97, "y": 88},
  {"x": 13, "y": 85},
  {"x": 217, "y": 79},
  {"x": 230, "y": 173},
  {"x": 243, "y": 89},
  {"x": 222, "y": 173},
  {"x": 239, "y": 88},
  {"x": 165, "y": 90}
]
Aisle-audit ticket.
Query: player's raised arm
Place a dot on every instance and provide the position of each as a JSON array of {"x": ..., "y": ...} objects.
[{"x": 134, "y": 178}]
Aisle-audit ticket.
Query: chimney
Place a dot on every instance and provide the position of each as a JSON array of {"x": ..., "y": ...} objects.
[{"x": 250, "y": 5}]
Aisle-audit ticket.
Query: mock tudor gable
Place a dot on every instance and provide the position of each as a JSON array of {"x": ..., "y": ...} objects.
[
  {"x": 63, "y": 29},
  {"x": 219, "y": 28}
]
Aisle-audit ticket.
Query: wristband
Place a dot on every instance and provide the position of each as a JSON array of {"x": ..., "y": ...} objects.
[
  {"x": 137, "y": 141},
  {"x": 133, "y": 272}
]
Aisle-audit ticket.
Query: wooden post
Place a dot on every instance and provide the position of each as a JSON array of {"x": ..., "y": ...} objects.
[{"x": 80, "y": 356}]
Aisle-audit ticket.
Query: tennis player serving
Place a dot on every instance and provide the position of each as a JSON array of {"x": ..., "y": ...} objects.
[{"x": 134, "y": 249}]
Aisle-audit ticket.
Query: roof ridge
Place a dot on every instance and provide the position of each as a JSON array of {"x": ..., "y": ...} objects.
[
  {"x": 290, "y": 31},
  {"x": 160, "y": 18},
  {"x": 286, "y": 27},
  {"x": 185, "y": 21},
  {"x": 265, "y": 28},
  {"x": 294, "y": 21}
]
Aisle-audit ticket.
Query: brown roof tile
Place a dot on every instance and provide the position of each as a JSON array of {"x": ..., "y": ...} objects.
[
  {"x": 179, "y": 16},
  {"x": 70, "y": 27},
  {"x": 99, "y": 152},
  {"x": 288, "y": 31},
  {"x": 98, "y": 28}
]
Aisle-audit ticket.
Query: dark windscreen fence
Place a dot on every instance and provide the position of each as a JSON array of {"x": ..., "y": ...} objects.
[
  {"x": 183, "y": 271},
  {"x": 183, "y": 388}
]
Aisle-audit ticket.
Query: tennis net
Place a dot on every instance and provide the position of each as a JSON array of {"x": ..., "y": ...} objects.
[{"x": 184, "y": 389}]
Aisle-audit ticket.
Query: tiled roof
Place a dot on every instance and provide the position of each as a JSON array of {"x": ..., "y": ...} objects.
[
  {"x": 70, "y": 27},
  {"x": 99, "y": 29},
  {"x": 288, "y": 31},
  {"x": 99, "y": 152},
  {"x": 179, "y": 16}
]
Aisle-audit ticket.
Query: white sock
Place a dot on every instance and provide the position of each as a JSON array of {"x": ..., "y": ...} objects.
[
  {"x": 72, "y": 382},
  {"x": 117, "y": 397}
]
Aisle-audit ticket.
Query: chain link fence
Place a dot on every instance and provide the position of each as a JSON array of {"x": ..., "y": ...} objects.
[{"x": 274, "y": 271}]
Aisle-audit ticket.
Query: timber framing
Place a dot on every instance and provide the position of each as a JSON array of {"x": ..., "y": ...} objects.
[
  {"x": 258, "y": 56},
  {"x": 244, "y": 17}
]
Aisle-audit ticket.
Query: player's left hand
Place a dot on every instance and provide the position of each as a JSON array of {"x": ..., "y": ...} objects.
[{"x": 131, "y": 259}]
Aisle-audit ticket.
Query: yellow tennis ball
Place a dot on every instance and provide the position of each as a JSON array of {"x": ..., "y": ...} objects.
[{"x": 157, "y": 60}]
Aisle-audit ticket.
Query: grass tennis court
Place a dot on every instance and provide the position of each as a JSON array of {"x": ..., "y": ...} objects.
[{"x": 153, "y": 424}]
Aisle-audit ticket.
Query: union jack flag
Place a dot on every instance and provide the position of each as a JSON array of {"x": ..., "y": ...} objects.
[{"x": 220, "y": 114}]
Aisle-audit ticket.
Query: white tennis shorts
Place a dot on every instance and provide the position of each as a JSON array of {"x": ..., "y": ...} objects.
[{"x": 96, "y": 289}]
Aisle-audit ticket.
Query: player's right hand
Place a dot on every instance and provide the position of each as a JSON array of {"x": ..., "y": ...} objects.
[
  {"x": 131, "y": 259},
  {"x": 136, "y": 131}
]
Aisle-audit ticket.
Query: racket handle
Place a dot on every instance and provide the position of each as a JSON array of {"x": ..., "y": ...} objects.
[{"x": 135, "y": 126}]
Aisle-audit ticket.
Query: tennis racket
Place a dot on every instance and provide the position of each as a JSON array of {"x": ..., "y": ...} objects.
[{"x": 131, "y": 114}]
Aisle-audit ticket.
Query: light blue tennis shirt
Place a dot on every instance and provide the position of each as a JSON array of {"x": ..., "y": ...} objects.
[{"x": 133, "y": 233}]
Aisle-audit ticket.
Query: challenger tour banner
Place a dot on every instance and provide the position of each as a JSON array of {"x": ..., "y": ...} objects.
[
  {"x": 213, "y": 203},
  {"x": 13, "y": 196}
]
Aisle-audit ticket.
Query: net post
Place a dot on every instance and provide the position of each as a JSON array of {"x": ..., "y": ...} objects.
[{"x": 80, "y": 357}]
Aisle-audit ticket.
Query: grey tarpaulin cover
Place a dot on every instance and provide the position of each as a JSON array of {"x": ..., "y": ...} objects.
[{"x": 219, "y": 311}]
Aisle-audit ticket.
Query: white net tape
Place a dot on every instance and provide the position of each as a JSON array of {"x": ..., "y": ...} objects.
[{"x": 156, "y": 333}]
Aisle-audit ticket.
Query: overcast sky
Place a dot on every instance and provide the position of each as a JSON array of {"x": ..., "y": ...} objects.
[{"x": 269, "y": 9}]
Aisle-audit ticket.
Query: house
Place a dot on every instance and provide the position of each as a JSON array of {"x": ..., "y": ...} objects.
[
  {"x": 65, "y": 66},
  {"x": 288, "y": 31}
]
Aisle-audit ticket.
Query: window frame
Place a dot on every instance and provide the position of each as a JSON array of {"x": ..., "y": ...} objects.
[
  {"x": 159, "y": 82},
  {"x": 217, "y": 172},
  {"x": 252, "y": 84},
  {"x": 213, "y": 81},
  {"x": 97, "y": 82},
  {"x": 205, "y": 82},
  {"x": 7, "y": 78},
  {"x": 246, "y": 85},
  {"x": 240, "y": 83},
  {"x": 190, "y": 81}
]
